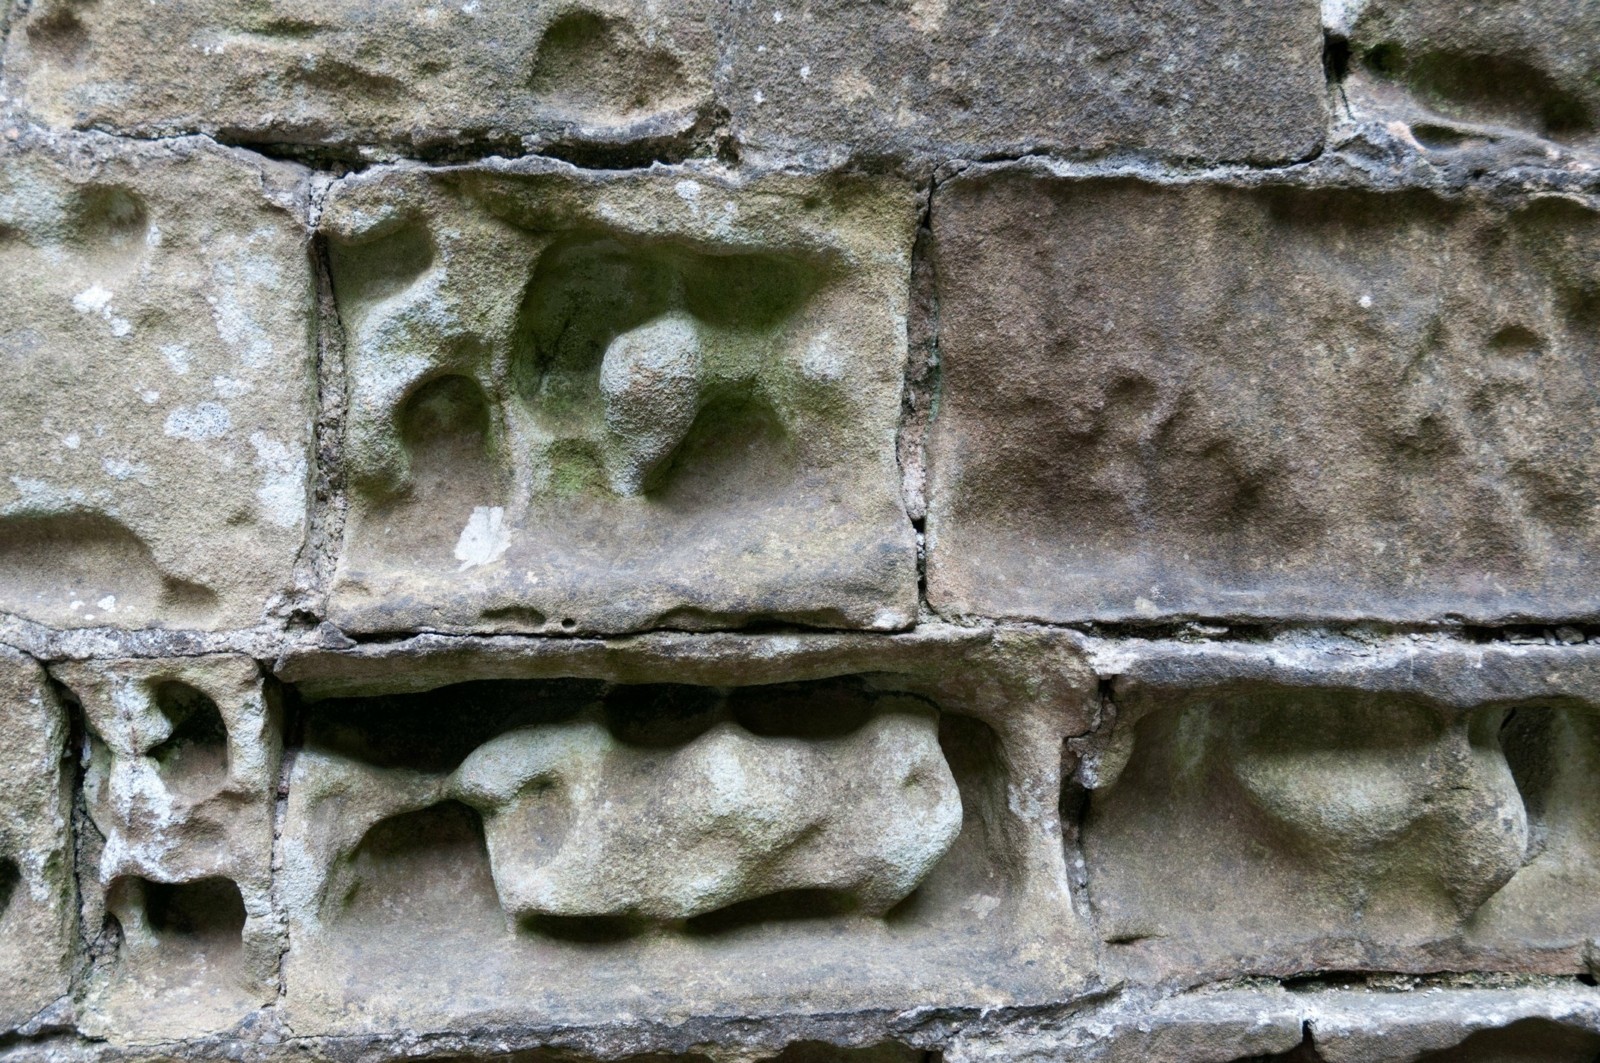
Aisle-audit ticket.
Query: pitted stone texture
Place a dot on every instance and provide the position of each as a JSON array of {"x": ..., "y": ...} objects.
[
  {"x": 1280, "y": 402},
  {"x": 38, "y": 920},
  {"x": 349, "y": 74},
  {"x": 1416, "y": 805},
  {"x": 586, "y": 402},
  {"x": 1458, "y": 80},
  {"x": 826, "y": 82},
  {"x": 159, "y": 389},
  {"x": 714, "y": 822},
  {"x": 180, "y": 785},
  {"x": 568, "y": 850}
]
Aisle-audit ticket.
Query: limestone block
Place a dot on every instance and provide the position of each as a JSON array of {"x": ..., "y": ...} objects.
[
  {"x": 408, "y": 77},
  {"x": 586, "y": 402},
  {"x": 1530, "y": 68},
  {"x": 1430, "y": 808},
  {"x": 181, "y": 782},
  {"x": 825, "y": 82},
  {"x": 1282, "y": 402},
  {"x": 159, "y": 388},
  {"x": 38, "y": 920}
]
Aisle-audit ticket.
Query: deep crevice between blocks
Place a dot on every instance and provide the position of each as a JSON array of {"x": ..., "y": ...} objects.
[
  {"x": 919, "y": 394},
  {"x": 325, "y": 519}
]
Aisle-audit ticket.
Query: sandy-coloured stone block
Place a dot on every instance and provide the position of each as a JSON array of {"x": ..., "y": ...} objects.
[
  {"x": 1404, "y": 805},
  {"x": 341, "y": 76},
  {"x": 38, "y": 916},
  {"x": 601, "y": 402},
  {"x": 180, "y": 785},
  {"x": 159, "y": 388},
  {"x": 1506, "y": 72},
  {"x": 825, "y": 81}
]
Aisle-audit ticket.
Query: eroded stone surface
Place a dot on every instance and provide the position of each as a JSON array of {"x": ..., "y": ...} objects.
[
  {"x": 1530, "y": 69},
  {"x": 1281, "y": 402},
  {"x": 980, "y": 78},
  {"x": 822, "y": 832},
  {"x": 1429, "y": 809},
  {"x": 38, "y": 919},
  {"x": 595, "y": 402},
  {"x": 580, "y": 825},
  {"x": 181, "y": 777},
  {"x": 158, "y": 387},
  {"x": 713, "y": 822},
  {"x": 417, "y": 78},
  {"x": 970, "y": 78}
]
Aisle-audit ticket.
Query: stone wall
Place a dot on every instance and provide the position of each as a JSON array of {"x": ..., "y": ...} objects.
[{"x": 958, "y": 530}]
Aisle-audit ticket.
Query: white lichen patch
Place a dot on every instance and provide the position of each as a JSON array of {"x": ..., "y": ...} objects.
[
  {"x": 485, "y": 539},
  {"x": 206, "y": 420},
  {"x": 282, "y": 494}
]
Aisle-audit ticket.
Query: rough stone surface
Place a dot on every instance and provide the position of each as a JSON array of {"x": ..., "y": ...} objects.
[
  {"x": 179, "y": 784},
  {"x": 633, "y": 80},
  {"x": 424, "y": 78},
  {"x": 1411, "y": 804},
  {"x": 1318, "y": 403},
  {"x": 588, "y": 402},
  {"x": 1510, "y": 71},
  {"x": 37, "y": 917},
  {"x": 835, "y": 832},
  {"x": 661, "y": 531},
  {"x": 982, "y": 78},
  {"x": 159, "y": 390}
]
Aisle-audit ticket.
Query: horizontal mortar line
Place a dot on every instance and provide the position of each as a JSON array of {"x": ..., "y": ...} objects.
[
  {"x": 1127, "y": 1005},
  {"x": 1328, "y": 169},
  {"x": 156, "y": 643}
]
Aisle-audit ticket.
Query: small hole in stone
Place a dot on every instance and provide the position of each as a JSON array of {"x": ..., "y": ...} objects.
[
  {"x": 9, "y": 877},
  {"x": 1335, "y": 56},
  {"x": 567, "y": 623},
  {"x": 209, "y": 909},
  {"x": 194, "y": 757}
]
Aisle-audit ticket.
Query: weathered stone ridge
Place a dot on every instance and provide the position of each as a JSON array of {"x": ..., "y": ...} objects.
[{"x": 687, "y": 532}]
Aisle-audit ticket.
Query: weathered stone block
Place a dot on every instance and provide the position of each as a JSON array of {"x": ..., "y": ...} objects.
[
  {"x": 159, "y": 387},
  {"x": 348, "y": 73},
  {"x": 1529, "y": 68},
  {"x": 1411, "y": 807},
  {"x": 827, "y": 81},
  {"x": 1280, "y": 402},
  {"x": 181, "y": 782},
  {"x": 568, "y": 848},
  {"x": 588, "y": 402},
  {"x": 38, "y": 920}
]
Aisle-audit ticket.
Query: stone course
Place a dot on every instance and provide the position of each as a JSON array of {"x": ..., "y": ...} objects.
[{"x": 832, "y": 533}]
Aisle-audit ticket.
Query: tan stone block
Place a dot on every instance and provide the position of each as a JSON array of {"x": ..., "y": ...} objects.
[
  {"x": 181, "y": 783},
  {"x": 159, "y": 387},
  {"x": 938, "y": 79},
  {"x": 600, "y": 402},
  {"x": 410, "y": 77},
  {"x": 38, "y": 919}
]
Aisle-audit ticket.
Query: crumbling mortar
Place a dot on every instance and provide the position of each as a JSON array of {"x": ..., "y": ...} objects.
[
  {"x": 930, "y": 1029},
  {"x": 919, "y": 393},
  {"x": 1346, "y": 162},
  {"x": 94, "y": 951},
  {"x": 292, "y": 724},
  {"x": 1075, "y": 799},
  {"x": 325, "y": 524}
]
